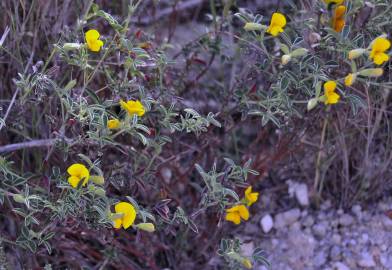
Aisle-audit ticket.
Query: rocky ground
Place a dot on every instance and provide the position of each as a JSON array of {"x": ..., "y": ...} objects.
[{"x": 325, "y": 239}]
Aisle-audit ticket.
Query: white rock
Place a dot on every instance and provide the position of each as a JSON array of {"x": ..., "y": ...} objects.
[
  {"x": 267, "y": 223},
  {"x": 340, "y": 266},
  {"x": 366, "y": 260},
  {"x": 301, "y": 194},
  {"x": 346, "y": 220},
  {"x": 287, "y": 218}
]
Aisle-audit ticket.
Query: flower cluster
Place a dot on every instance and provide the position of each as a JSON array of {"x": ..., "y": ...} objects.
[
  {"x": 240, "y": 211},
  {"x": 132, "y": 107},
  {"x": 125, "y": 213}
]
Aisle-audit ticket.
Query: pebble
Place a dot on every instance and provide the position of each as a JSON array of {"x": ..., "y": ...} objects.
[
  {"x": 301, "y": 194},
  {"x": 346, "y": 220},
  {"x": 335, "y": 253},
  {"x": 320, "y": 259},
  {"x": 287, "y": 218},
  {"x": 357, "y": 211},
  {"x": 340, "y": 266},
  {"x": 308, "y": 221},
  {"x": 320, "y": 230},
  {"x": 267, "y": 223},
  {"x": 366, "y": 260},
  {"x": 387, "y": 222}
]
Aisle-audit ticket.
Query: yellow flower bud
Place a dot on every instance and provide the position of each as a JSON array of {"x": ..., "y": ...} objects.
[
  {"x": 71, "y": 46},
  {"x": 254, "y": 27},
  {"x": 247, "y": 263},
  {"x": 148, "y": 227},
  {"x": 97, "y": 179},
  {"x": 18, "y": 198},
  {"x": 371, "y": 72},
  {"x": 299, "y": 52},
  {"x": 285, "y": 59},
  {"x": 355, "y": 53},
  {"x": 312, "y": 103},
  {"x": 100, "y": 192},
  {"x": 350, "y": 79}
]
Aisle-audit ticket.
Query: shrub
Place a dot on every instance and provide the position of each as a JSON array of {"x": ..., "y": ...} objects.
[{"x": 118, "y": 153}]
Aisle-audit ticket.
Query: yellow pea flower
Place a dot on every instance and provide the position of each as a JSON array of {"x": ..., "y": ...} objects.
[
  {"x": 331, "y": 97},
  {"x": 92, "y": 40},
  {"x": 235, "y": 213},
  {"x": 133, "y": 107},
  {"x": 278, "y": 22},
  {"x": 251, "y": 197},
  {"x": 113, "y": 124},
  {"x": 379, "y": 46},
  {"x": 78, "y": 172},
  {"x": 350, "y": 79},
  {"x": 336, "y": 2},
  {"x": 338, "y": 21},
  {"x": 128, "y": 217},
  {"x": 247, "y": 263}
]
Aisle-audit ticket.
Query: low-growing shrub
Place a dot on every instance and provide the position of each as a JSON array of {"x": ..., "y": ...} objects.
[{"x": 120, "y": 152}]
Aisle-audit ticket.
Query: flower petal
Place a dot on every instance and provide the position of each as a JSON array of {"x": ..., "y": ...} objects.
[
  {"x": 117, "y": 223},
  {"x": 92, "y": 35},
  {"x": 329, "y": 86},
  {"x": 278, "y": 19},
  {"x": 73, "y": 181},
  {"x": 76, "y": 169},
  {"x": 129, "y": 213},
  {"x": 233, "y": 217},
  {"x": 380, "y": 58},
  {"x": 243, "y": 212}
]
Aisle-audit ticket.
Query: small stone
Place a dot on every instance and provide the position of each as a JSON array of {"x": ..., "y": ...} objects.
[
  {"x": 366, "y": 260},
  {"x": 336, "y": 239},
  {"x": 387, "y": 222},
  {"x": 308, "y": 221},
  {"x": 340, "y": 266},
  {"x": 301, "y": 194},
  {"x": 335, "y": 253},
  {"x": 320, "y": 259},
  {"x": 326, "y": 205},
  {"x": 296, "y": 226},
  {"x": 357, "y": 211},
  {"x": 386, "y": 261},
  {"x": 267, "y": 223},
  {"x": 364, "y": 238},
  {"x": 287, "y": 218},
  {"x": 346, "y": 220},
  {"x": 320, "y": 230}
]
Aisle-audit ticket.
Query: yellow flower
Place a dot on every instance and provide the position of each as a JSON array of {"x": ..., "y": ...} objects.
[
  {"x": 78, "y": 172},
  {"x": 113, "y": 124},
  {"x": 350, "y": 79},
  {"x": 379, "y": 46},
  {"x": 92, "y": 40},
  {"x": 247, "y": 263},
  {"x": 331, "y": 97},
  {"x": 128, "y": 213},
  {"x": 338, "y": 18},
  {"x": 133, "y": 107},
  {"x": 235, "y": 213},
  {"x": 336, "y": 2},
  {"x": 278, "y": 21},
  {"x": 251, "y": 197}
]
